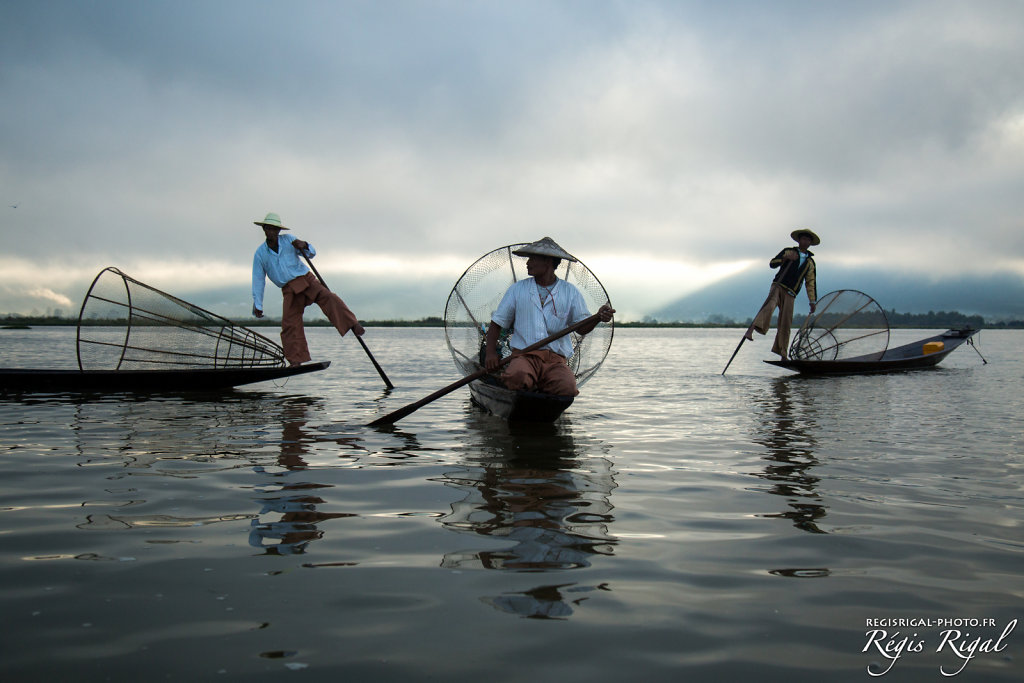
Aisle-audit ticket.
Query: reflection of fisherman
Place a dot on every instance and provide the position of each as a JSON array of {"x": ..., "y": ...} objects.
[
  {"x": 278, "y": 259},
  {"x": 533, "y": 309},
  {"x": 789, "y": 438},
  {"x": 544, "y": 602},
  {"x": 797, "y": 268},
  {"x": 549, "y": 512},
  {"x": 297, "y": 527},
  {"x": 299, "y": 518},
  {"x": 551, "y": 516}
]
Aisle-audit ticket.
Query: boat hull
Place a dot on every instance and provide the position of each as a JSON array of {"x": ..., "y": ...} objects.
[
  {"x": 518, "y": 406},
  {"x": 898, "y": 359},
  {"x": 31, "y": 380}
]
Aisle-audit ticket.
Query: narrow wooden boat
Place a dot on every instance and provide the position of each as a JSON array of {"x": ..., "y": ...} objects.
[
  {"x": 924, "y": 353},
  {"x": 517, "y": 406},
  {"x": 134, "y": 338},
  {"x": 32, "y": 380}
]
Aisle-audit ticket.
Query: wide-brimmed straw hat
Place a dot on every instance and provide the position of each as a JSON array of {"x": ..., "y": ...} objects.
[
  {"x": 544, "y": 247},
  {"x": 815, "y": 240},
  {"x": 272, "y": 220}
]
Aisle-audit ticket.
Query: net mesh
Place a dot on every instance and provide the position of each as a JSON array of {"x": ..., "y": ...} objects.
[
  {"x": 846, "y": 324},
  {"x": 127, "y": 325},
  {"x": 477, "y": 293}
]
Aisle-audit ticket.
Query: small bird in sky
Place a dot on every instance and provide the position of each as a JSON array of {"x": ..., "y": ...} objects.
[{"x": 14, "y": 206}]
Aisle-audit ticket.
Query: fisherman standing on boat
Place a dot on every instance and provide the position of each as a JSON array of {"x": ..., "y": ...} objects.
[
  {"x": 279, "y": 259},
  {"x": 797, "y": 268},
  {"x": 533, "y": 309}
]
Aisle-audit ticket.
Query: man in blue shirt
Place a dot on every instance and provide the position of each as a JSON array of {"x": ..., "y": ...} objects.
[{"x": 279, "y": 259}]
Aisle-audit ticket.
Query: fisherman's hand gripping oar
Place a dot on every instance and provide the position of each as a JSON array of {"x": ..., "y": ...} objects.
[{"x": 583, "y": 326}]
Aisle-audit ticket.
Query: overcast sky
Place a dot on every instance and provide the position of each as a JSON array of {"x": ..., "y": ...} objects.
[{"x": 663, "y": 143}]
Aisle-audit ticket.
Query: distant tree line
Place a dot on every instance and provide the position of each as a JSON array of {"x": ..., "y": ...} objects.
[
  {"x": 934, "y": 319},
  {"x": 929, "y": 320}
]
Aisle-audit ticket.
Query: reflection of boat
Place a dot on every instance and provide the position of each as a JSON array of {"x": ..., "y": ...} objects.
[
  {"x": 517, "y": 406},
  {"x": 144, "y": 381},
  {"x": 132, "y": 337},
  {"x": 924, "y": 353}
]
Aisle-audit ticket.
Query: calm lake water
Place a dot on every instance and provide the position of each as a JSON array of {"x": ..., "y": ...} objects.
[{"x": 673, "y": 525}]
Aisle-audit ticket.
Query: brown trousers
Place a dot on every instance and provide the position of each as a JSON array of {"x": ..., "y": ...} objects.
[
  {"x": 783, "y": 300},
  {"x": 299, "y": 293},
  {"x": 543, "y": 370}
]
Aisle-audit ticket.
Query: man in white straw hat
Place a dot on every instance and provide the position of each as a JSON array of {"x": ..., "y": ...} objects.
[
  {"x": 536, "y": 308},
  {"x": 797, "y": 268},
  {"x": 278, "y": 258}
]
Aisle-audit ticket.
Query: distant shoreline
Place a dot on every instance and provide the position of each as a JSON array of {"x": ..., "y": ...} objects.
[{"x": 930, "y": 320}]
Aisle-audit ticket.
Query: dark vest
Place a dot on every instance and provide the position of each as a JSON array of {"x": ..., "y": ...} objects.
[{"x": 791, "y": 273}]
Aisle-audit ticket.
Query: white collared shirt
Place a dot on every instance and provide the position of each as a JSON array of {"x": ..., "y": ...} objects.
[{"x": 531, "y": 320}]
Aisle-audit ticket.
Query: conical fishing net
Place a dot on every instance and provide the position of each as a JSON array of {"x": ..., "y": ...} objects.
[
  {"x": 479, "y": 291},
  {"x": 846, "y": 324},
  {"x": 127, "y": 325}
]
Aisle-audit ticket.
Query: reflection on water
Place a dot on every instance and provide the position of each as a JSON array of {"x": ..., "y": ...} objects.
[
  {"x": 545, "y": 500},
  {"x": 786, "y": 424},
  {"x": 287, "y": 495},
  {"x": 125, "y": 523},
  {"x": 137, "y": 438}
]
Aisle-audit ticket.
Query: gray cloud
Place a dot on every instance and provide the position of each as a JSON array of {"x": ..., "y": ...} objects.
[{"x": 142, "y": 132}]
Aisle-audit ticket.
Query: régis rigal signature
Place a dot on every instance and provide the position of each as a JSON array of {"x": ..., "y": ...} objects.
[{"x": 893, "y": 645}]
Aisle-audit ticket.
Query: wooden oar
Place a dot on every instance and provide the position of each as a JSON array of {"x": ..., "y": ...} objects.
[
  {"x": 749, "y": 329},
  {"x": 380, "y": 370},
  {"x": 391, "y": 418},
  {"x": 738, "y": 347}
]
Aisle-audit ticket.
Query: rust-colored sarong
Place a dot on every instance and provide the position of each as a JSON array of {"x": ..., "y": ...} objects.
[
  {"x": 299, "y": 293},
  {"x": 542, "y": 370}
]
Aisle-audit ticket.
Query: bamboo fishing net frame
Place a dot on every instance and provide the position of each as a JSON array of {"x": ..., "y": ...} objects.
[
  {"x": 126, "y": 324},
  {"x": 479, "y": 290},
  {"x": 846, "y": 323}
]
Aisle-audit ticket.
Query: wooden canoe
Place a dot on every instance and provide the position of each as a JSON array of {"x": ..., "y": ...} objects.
[
  {"x": 912, "y": 356},
  {"x": 518, "y": 406},
  {"x": 30, "y": 380}
]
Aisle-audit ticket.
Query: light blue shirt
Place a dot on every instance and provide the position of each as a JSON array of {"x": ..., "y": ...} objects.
[
  {"x": 522, "y": 310},
  {"x": 281, "y": 267}
]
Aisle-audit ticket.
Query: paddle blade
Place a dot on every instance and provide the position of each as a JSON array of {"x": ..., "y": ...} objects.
[{"x": 392, "y": 418}]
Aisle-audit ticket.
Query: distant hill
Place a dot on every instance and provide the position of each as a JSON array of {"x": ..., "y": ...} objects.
[{"x": 737, "y": 298}]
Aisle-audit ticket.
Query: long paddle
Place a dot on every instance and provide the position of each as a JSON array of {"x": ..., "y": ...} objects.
[
  {"x": 744, "y": 338},
  {"x": 391, "y": 418},
  {"x": 380, "y": 370}
]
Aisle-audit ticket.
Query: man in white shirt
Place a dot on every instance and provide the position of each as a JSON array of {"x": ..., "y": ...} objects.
[
  {"x": 278, "y": 258},
  {"x": 533, "y": 309}
]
